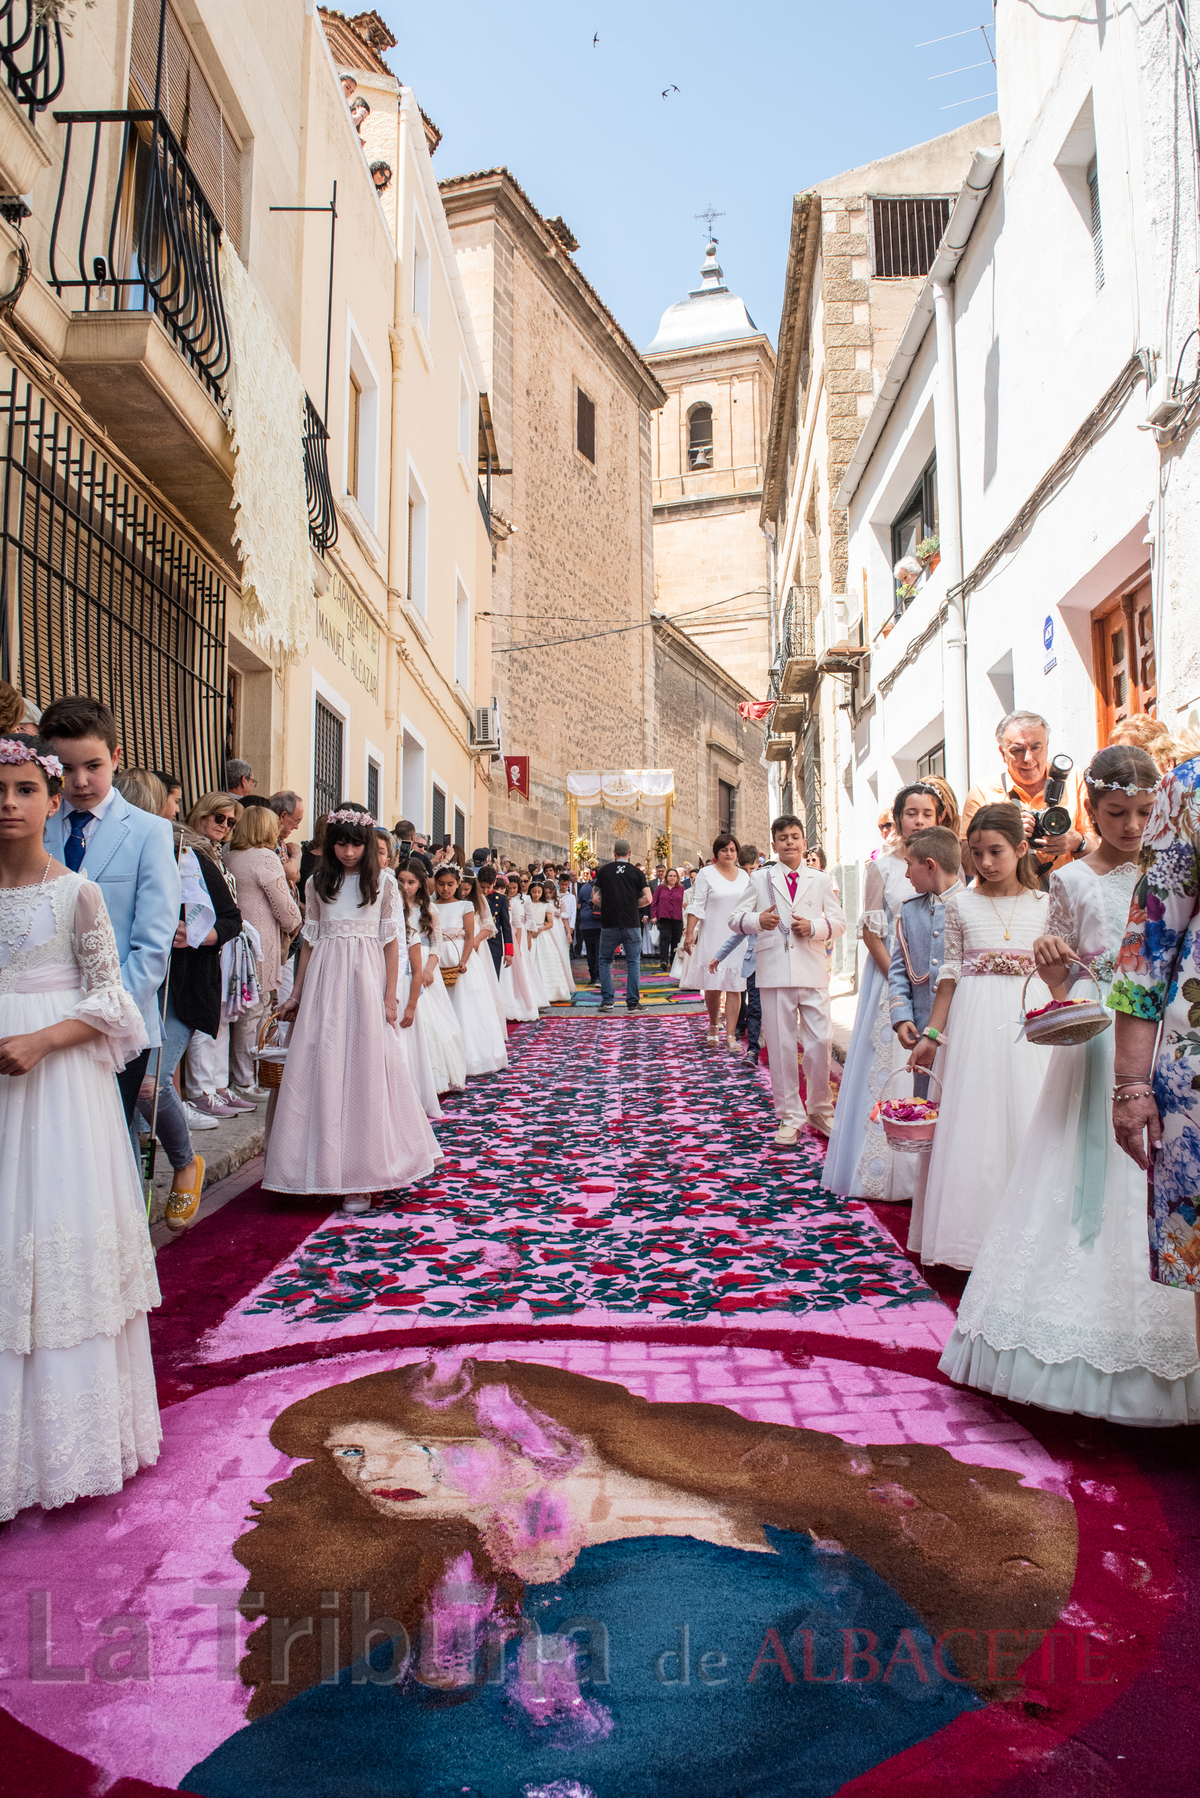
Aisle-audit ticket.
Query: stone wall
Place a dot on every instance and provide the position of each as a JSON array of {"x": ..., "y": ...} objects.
[{"x": 702, "y": 737}]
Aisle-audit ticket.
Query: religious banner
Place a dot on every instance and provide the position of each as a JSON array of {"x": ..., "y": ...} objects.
[
  {"x": 756, "y": 709},
  {"x": 516, "y": 769}
]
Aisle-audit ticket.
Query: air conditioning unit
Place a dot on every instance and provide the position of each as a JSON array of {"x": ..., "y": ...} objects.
[{"x": 486, "y": 734}]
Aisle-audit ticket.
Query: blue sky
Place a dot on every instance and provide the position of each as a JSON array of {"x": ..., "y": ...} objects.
[{"x": 772, "y": 97}]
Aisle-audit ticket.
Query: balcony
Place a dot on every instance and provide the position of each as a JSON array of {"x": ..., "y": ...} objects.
[
  {"x": 31, "y": 56},
  {"x": 778, "y": 749},
  {"x": 798, "y": 643},
  {"x": 134, "y": 254},
  {"x": 322, "y": 513}
]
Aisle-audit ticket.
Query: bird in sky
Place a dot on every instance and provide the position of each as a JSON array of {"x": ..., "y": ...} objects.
[
  {"x": 669, "y": 90},
  {"x": 595, "y": 40}
]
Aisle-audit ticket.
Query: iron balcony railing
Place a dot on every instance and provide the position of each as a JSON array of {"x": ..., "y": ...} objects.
[
  {"x": 799, "y": 637},
  {"x": 322, "y": 514},
  {"x": 154, "y": 247},
  {"x": 31, "y": 52},
  {"x": 100, "y": 593}
]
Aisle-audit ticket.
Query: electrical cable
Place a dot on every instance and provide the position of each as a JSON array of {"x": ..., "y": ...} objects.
[{"x": 622, "y": 629}]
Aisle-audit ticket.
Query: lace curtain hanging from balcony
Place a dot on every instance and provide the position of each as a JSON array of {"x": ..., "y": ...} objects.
[{"x": 267, "y": 415}]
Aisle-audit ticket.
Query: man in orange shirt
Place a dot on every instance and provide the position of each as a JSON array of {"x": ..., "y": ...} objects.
[{"x": 1024, "y": 740}]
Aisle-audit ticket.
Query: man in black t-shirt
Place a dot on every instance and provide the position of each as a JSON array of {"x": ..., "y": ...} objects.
[{"x": 619, "y": 897}]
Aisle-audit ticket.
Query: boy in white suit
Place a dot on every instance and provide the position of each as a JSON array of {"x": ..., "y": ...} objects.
[{"x": 794, "y": 911}]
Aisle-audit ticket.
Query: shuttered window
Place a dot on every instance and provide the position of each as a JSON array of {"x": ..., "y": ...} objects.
[
  {"x": 906, "y": 235},
  {"x": 585, "y": 425},
  {"x": 438, "y": 830},
  {"x": 192, "y": 109}
]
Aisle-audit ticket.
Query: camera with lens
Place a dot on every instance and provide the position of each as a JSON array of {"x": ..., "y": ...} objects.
[{"x": 1055, "y": 819}]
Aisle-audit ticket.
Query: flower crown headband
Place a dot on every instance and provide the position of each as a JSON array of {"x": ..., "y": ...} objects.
[
  {"x": 363, "y": 818},
  {"x": 1117, "y": 786},
  {"x": 13, "y": 751}
]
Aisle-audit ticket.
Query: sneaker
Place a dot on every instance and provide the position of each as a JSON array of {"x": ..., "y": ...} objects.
[
  {"x": 785, "y": 1136},
  {"x": 229, "y": 1098},
  {"x": 354, "y": 1204},
  {"x": 636, "y": 1007},
  {"x": 607, "y": 1005},
  {"x": 212, "y": 1107},
  {"x": 256, "y": 1094},
  {"x": 184, "y": 1202},
  {"x": 198, "y": 1120}
]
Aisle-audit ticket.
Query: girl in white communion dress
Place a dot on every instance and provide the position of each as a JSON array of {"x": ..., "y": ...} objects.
[{"x": 78, "y": 1411}]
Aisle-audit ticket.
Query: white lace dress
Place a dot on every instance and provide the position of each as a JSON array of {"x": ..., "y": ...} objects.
[
  {"x": 859, "y": 1162},
  {"x": 1061, "y": 1311},
  {"x": 78, "y": 1411},
  {"x": 348, "y": 1119},
  {"x": 528, "y": 992},
  {"x": 546, "y": 958},
  {"x": 485, "y": 1036},
  {"x": 436, "y": 1029},
  {"x": 991, "y": 1081}
]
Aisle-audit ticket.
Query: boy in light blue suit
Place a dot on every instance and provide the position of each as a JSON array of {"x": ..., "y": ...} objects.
[
  {"x": 933, "y": 860},
  {"x": 128, "y": 853}
]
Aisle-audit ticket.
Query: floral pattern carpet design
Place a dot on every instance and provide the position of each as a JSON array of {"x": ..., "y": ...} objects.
[{"x": 629, "y": 1173}]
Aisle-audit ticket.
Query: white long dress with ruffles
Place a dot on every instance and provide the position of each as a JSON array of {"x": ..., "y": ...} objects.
[
  {"x": 546, "y": 958},
  {"x": 78, "y": 1411},
  {"x": 348, "y": 1118},
  {"x": 485, "y": 1037},
  {"x": 990, "y": 1082},
  {"x": 1061, "y": 1311},
  {"x": 436, "y": 1060}
]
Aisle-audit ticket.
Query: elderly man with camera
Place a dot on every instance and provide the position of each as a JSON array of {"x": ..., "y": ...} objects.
[{"x": 1048, "y": 791}]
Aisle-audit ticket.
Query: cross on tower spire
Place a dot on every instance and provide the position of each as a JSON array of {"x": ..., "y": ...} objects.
[{"x": 708, "y": 215}]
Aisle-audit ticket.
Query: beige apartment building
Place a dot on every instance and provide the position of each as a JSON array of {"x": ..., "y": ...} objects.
[
  {"x": 711, "y": 557},
  {"x": 240, "y": 429},
  {"x": 573, "y": 581},
  {"x": 861, "y": 245}
]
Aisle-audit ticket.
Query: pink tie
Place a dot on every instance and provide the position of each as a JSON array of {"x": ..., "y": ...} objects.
[{"x": 791, "y": 882}]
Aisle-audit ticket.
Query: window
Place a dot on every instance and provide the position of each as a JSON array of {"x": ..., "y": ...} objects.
[
  {"x": 373, "y": 789},
  {"x": 462, "y": 637},
  {"x": 906, "y": 235},
  {"x": 328, "y": 738},
  {"x": 466, "y": 411},
  {"x": 933, "y": 763},
  {"x": 1123, "y": 667},
  {"x": 700, "y": 437},
  {"x": 353, "y": 437},
  {"x": 421, "y": 272},
  {"x": 585, "y": 425},
  {"x": 460, "y": 827},
  {"x": 412, "y": 777},
  {"x": 418, "y": 545},
  {"x": 917, "y": 521},
  {"x": 725, "y": 794},
  {"x": 193, "y": 111},
  {"x": 1093, "y": 187},
  {"x": 362, "y": 425},
  {"x": 437, "y": 828}
]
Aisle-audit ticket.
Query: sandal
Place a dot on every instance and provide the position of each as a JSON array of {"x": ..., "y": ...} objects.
[
  {"x": 713, "y": 1038},
  {"x": 183, "y": 1202}
]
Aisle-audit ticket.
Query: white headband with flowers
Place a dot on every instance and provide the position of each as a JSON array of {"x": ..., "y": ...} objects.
[
  {"x": 363, "y": 818},
  {"x": 14, "y": 752},
  {"x": 1117, "y": 786}
]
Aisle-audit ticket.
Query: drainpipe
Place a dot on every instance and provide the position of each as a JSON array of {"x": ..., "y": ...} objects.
[
  {"x": 398, "y": 472},
  {"x": 945, "y": 425},
  {"x": 954, "y": 637}
]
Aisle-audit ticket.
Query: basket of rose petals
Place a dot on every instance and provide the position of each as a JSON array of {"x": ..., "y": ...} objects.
[
  {"x": 907, "y": 1123},
  {"x": 1065, "y": 1022}
]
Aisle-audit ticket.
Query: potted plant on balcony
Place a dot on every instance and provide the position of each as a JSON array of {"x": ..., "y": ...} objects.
[{"x": 929, "y": 553}]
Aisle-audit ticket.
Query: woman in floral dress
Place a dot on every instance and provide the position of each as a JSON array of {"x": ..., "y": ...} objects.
[{"x": 1156, "y": 1100}]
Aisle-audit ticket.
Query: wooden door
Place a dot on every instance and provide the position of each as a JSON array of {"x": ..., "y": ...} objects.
[{"x": 1123, "y": 667}]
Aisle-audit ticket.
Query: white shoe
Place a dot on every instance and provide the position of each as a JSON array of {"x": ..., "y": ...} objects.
[
  {"x": 198, "y": 1120},
  {"x": 786, "y": 1135},
  {"x": 355, "y": 1203},
  {"x": 256, "y": 1094}
]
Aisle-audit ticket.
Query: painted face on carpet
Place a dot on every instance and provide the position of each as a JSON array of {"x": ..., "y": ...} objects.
[{"x": 520, "y": 1574}]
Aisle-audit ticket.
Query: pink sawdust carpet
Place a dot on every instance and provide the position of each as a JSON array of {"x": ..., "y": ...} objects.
[{"x": 614, "y": 1277}]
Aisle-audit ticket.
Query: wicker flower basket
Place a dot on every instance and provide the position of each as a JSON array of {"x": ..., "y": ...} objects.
[
  {"x": 270, "y": 1054},
  {"x": 450, "y": 974},
  {"x": 1065, "y": 1022},
  {"x": 914, "y": 1130}
]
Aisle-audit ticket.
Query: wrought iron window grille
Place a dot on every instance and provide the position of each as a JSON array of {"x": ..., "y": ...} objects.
[
  {"x": 31, "y": 52},
  {"x": 100, "y": 594},
  {"x": 799, "y": 637},
  {"x": 155, "y": 248},
  {"x": 322, "y": 513}
]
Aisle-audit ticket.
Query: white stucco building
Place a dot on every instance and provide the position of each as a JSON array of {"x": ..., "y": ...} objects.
[{"x": 1012, "y": 425}]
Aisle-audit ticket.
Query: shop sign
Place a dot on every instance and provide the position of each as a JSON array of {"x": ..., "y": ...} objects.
[{"x": 348, "y": 630}]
